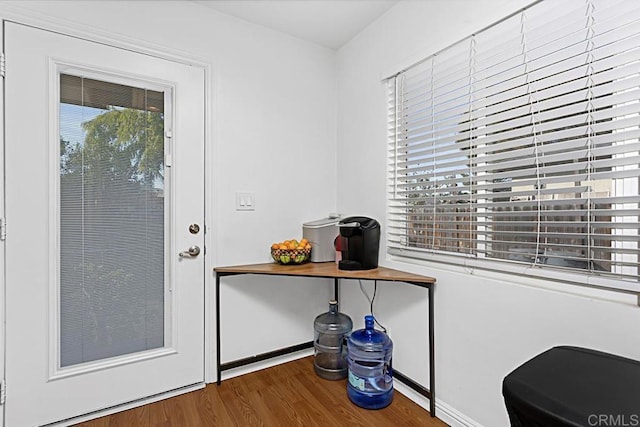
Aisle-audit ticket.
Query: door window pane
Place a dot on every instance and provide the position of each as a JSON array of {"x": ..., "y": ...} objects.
[{"x": 112, "y": 221}]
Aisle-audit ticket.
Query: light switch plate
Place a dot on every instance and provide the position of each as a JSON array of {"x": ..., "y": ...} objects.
[{"x": 245, "y": 202}]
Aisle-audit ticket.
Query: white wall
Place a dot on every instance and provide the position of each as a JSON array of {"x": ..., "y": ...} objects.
[
  {"x": 274, "y": 133},
  {"x": 486, "y": 324}
]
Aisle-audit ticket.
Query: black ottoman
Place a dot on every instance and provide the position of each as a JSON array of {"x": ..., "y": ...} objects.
[{"x": 572, "y": 386}]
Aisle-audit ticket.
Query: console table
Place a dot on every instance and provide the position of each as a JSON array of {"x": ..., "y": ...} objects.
[{"x": 329, "y": 270}]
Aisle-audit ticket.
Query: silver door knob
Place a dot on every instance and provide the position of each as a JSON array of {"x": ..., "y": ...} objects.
[{"x": 193, "y": 251}]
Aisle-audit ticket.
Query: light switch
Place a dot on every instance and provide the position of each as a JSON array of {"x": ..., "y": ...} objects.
[{"x": 245, "y": 202}]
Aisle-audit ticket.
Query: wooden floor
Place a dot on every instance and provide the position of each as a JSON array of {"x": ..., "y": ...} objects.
[{"x": 285, "y": 395}]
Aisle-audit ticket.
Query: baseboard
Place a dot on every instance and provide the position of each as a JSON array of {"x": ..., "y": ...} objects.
[
  {"x": 444, "y": 412},
  {"x": 265, "y": 364},
  {"x": 453, "y": 417}
]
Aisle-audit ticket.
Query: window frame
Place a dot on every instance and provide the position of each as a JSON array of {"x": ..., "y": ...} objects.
[{"x": 590, "y": 277}]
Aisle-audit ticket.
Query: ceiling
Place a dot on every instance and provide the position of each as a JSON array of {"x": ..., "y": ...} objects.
[{"x": 329, "y": 23}]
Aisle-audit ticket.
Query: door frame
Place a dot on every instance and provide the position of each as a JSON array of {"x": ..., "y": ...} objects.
[{"x": 21, "y": 15}]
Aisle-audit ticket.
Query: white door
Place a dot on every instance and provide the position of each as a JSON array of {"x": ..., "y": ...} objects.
[{"x": 104, "y": 190}]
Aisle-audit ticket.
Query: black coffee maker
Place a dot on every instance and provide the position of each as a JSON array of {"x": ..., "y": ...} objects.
[{"x": 360, "y": 240}]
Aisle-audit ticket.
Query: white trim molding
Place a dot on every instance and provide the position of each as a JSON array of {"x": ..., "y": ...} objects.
[{"x": 444, "y": 411}]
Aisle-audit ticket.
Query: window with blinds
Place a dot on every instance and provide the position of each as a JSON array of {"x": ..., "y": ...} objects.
[
  {"x": 113, "y": 272},
  {"x": 521, "y": 144}
]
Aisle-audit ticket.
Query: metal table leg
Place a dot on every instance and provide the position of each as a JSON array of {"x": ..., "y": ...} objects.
[
  {"x": 218, "y": 370},
  {"x": 432, "y": 367}
]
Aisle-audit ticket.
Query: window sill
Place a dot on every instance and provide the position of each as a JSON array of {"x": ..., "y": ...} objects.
[{"x": 519, "y": 276}]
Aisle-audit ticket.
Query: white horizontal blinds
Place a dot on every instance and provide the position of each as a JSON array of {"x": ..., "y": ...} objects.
[
  {"x": 112, "y": 221},
  {"x": 429, "y": 166},
  {"x": 522, "y": 143},
  {"x": 517, "y": 148}
]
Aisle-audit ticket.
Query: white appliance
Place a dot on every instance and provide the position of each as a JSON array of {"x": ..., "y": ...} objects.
[{"x": 321, "y": 234}]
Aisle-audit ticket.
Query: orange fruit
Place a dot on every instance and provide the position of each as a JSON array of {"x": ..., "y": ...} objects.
[
  {"x": 275, "y": 246},
  {"x": 283, "y": 246},
  {"x": 307, "y": 246}
]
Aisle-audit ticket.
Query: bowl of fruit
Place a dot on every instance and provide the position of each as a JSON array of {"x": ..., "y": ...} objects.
[{"x": 291, "y": 251}]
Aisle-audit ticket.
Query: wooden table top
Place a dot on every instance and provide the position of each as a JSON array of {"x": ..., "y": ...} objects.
[{"x": 327, "y": 270}]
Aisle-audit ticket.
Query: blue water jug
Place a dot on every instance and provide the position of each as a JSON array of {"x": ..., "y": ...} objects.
[{"x": 369, "y": 352}]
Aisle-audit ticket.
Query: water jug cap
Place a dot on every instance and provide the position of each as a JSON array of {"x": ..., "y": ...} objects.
[
  {"x": 368, "y": 322},
  {"x": 333, "y": 306}
]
